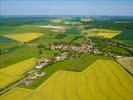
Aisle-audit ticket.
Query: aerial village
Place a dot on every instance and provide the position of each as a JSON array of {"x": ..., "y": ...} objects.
[{"x": 44, "y": 62}]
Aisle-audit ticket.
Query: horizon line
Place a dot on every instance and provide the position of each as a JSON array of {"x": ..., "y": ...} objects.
[{"x": 69, "y": 15}]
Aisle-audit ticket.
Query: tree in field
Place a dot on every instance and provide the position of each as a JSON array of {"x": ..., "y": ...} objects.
[{"x": 40, "y": 52}]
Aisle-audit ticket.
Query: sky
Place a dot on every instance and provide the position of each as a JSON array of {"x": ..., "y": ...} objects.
[{"x": 67, "y": 7}]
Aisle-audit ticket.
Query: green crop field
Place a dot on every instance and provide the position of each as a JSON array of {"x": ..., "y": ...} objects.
[
  {"x": 116, "y": 49},
  {"x": 6, "y": 40},
  {"x": 57, "y": 21},
  {"x": 23, "y": 29},
  {"x": 125, "y": 35},
  {"x": 8, "y": 45},
  {"x": 72, "y": 30},
  {"x": 23, "y": 53}
]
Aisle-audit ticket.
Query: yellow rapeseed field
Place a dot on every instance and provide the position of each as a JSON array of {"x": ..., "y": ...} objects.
[
  {"x": 102, "y": 33},
  {"x": 103, "y": 80},
  {"x": 24, "y": 37},
  {"x": 14, "y": 72},
  {"x": 17, "y": 94}
]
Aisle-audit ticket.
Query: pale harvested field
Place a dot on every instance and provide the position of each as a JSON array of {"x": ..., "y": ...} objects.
[
  {"x": 103, "y": 80},
  {"x": 24, "y": 37},
  {"x": 127, "y": 63},
  {"x": 102, "y": 33},
  {"x": 86, "y": 19},
  {"x": 12, "y": 73},
  {"x": 54, "y": 27}
]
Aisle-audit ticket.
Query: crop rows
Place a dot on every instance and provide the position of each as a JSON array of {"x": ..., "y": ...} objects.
[
  {"x": 14, "y": 72},
  {"x": 103, "y": 80}
]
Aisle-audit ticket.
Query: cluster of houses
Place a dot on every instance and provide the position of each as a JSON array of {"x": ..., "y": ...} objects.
[
  {"x": 85, "y": 49},
  {"x": 33, "y": 75},
  {"x": 46, "y": 61},
  {"x": 113, "y": 55},
  {"x": 43, "y": 62},
  {"x": 63, "y": 56},
  {"x": 82, "y": 48}
]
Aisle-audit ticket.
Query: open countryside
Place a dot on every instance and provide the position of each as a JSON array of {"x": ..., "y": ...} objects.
[
  {"x": 66, "y": 50},
  {"x": 93, "y": 80},
  {"x": 37, "y": 65}
]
